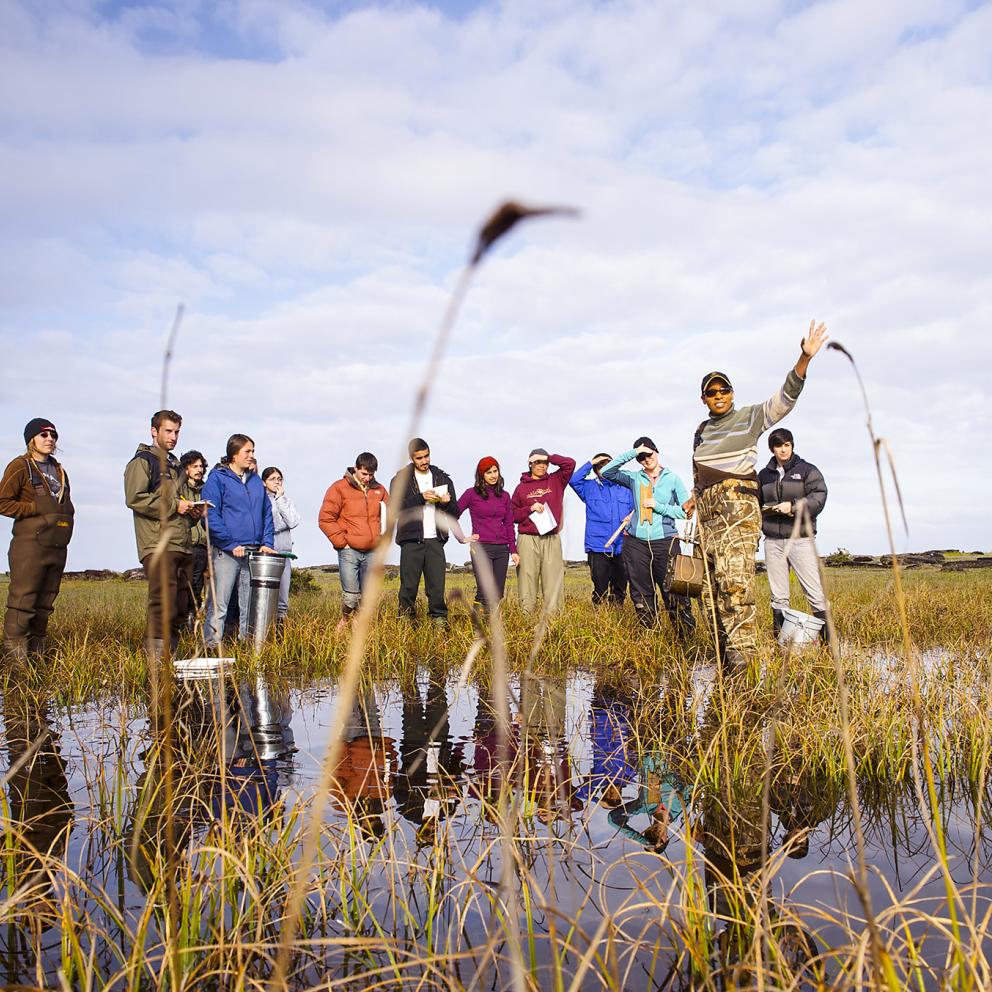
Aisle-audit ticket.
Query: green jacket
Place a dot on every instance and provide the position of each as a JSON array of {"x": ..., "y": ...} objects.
[
  {"x": 145, "y": 503},
  {"x": 197, "y": 528}
]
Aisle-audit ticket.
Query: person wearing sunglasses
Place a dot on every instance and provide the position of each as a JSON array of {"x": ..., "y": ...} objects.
[
  {"x": 537, "y": 512},
  {"x": 726, "y": 494},
  {"x": 659, "y": 495},
  {"x": 35, "y": 492}
]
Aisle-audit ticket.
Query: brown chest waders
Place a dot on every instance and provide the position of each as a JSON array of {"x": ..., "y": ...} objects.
[{"x": 37, "y": 560}]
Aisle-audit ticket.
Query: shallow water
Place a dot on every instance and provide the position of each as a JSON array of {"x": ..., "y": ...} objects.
[{"x": 607, "y": 817}]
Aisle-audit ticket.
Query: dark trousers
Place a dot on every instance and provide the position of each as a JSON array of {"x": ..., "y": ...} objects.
[
  {"x": 609, "y": 577},
  {"x": 422, "y": 558},
  {"x": 170, "y": 577},
  {"x": 35, "y": 579},
  {"x": 646, "y": 562},
  {"x": 498, "y": 556},
  {"x": 198, "y": 578}
]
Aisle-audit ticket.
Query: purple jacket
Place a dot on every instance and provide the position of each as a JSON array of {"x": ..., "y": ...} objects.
[
  {"x": 550, "y": 490},
  {"x": 492, "y": 518}
]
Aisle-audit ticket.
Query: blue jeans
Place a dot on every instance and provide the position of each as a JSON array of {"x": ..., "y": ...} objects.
[
  {"x": 352, "y": 566},
  {"x": 229, "y": 572},
  {"x": 287, "y": 577}
]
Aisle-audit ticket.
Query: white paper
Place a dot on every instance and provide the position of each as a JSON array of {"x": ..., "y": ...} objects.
[
  {"x": 442, "y": 489},
  {"x": 544, "y": 521}
]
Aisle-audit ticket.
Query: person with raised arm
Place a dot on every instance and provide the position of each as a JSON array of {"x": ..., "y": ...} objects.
[
  {"x": 608, "y": 506},
  {"x": 726, "y": 496},
  {"x": 538, "y": 504},
  {"x": 651, "y": 538}
]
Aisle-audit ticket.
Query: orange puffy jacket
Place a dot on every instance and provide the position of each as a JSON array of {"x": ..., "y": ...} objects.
[{"x": 350, "y": 515}]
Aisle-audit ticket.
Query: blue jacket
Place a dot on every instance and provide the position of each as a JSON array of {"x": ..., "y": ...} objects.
[
  {"x": 241, "y": 511},
  {"x": 669, "y": 495},
  {"x": 607, "y": 503}
]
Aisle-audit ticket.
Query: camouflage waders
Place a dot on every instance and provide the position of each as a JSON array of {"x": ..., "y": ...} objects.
[{"x": 729, "y": 528}]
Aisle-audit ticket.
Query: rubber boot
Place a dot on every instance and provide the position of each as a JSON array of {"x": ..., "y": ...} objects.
[
  {"x": 825, "y": 629},
  {"x": 778, "y": 618},
  {"x": 346, "y": 614},
  {"x": 38, "y": 646},
  {"x": 16, "y": 649}
]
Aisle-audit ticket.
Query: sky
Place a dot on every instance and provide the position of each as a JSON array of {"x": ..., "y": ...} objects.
[{"x": 308, "y": 178}]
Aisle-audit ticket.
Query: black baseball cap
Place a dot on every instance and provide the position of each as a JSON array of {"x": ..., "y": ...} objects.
[{"x": 713, "y": 377}]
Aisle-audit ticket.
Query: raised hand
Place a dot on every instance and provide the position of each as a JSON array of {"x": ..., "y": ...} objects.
[{"x": 815, "y": 339}]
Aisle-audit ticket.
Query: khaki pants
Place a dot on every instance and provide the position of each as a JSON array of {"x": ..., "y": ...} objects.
[
  {"x": 802, "y": 557},
  {"x": 541, "y": 570}
]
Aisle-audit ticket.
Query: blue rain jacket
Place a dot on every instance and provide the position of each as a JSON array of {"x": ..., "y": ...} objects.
[
  {"x": 241, "y": 511},
  {"x": 606, "y": 505}
]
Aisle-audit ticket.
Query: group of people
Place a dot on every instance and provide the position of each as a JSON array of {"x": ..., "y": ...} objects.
[{"x": 180, "y": 511}]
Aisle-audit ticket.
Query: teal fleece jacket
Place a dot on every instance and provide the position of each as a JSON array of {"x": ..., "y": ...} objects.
[{"x": 669, "y": 495}]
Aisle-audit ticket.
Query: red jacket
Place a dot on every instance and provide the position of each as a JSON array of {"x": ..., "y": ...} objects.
[
  {"x": 349, "y": 515},
  {"x": 549, "y": 490}
]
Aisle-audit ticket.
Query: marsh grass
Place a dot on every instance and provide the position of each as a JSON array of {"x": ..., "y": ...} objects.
[{"x": 427, "y": 909}]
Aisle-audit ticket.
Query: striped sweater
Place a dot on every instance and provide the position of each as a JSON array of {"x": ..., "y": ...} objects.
[{"x": 726, "y": 446}]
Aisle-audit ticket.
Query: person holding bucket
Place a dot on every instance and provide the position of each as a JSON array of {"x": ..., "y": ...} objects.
[
  {"x": 35, "y": 492},
  {"x": 239, "y": 520},
  {"x": 791, "y": 489},
  {"x": 284, "y": 518},
  {"x": 659, "y": 495}
]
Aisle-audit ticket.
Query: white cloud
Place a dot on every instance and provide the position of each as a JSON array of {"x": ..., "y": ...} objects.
[{"x": 310, "y": 185}]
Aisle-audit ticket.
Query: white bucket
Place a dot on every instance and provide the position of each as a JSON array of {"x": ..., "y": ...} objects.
[
  {"x": 798, "y": 628},
  {"x": 200, "y": 668}
]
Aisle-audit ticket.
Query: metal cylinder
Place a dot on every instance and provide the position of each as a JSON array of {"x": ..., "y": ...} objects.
[{"x": 266, "y": 573}]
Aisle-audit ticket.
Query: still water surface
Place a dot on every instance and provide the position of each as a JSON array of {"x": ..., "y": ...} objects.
[{"x": 610, "y": 816}]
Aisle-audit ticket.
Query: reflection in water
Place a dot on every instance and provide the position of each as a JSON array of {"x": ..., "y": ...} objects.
[
  {"x": 428, "y": 785},
  {"x": 547, "y": 768},
  {"x": 603, "y": 777},
  {"x": 36, "y": 835},
  {"x": 362, "y": 776},
  {"x": 229, "y": 758}
]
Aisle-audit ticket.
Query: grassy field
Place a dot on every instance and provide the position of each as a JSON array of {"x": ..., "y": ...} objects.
[
  {"x": 215, "y": 885},
  {"x": 97, "y": 629}
]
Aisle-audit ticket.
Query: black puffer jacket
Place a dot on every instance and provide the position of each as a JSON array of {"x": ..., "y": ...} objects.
[
  {"x": 403, "y": 493},
  {"x": 800, "y": 481}
]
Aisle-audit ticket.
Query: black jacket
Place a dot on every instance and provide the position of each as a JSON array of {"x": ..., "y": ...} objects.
[
  {"x": 800, "y": 481},
  {"x": 409, "y": 500}
]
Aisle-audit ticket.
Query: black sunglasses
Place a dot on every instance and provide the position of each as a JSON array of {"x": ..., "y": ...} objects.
[
  {"x": 51, "y": 434},
  {"x": 718, "y": 391},
  {"x": 644, "y": 456}
]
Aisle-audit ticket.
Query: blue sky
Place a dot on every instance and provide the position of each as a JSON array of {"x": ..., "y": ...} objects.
[{"x": 307, "y": 178}]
